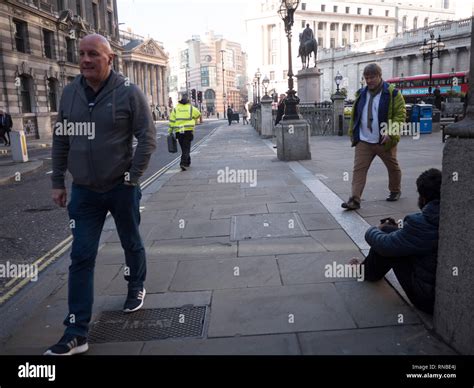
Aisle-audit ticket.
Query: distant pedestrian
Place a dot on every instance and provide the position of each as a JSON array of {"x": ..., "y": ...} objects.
[
  {"x": 182, "y": 122},
  {"x": 6, "y": 125},
  {"x": 106, "y": 173},
  {"x": 280, "y": 109},
  {"x": 244, "y": 116},
  {"x": 230, "y": 113},
  {"x": 437, "y": 98},
  {"x": 377, "y": 104}
]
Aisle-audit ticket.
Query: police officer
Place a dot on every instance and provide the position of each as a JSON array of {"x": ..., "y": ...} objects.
[{"x": 182, "y": 122}]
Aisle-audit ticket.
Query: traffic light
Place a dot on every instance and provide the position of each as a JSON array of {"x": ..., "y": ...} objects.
[
  {"x": 199, "y": 96},
  {"x": 193, "y": 94}
]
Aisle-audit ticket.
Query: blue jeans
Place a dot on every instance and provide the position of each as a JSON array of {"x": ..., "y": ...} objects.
[{"x": 88, "y": 209}]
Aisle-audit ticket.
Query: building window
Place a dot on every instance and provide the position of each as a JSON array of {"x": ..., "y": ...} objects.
[
  {"x": 367, "y": 28},
  {"x": 333, "y": 27},
  {"x": 78, "y": 7},
  {"x": 387, "y": 12},
  {"x": 426, "y": 22},
  {"x": 95, "y": 16},
  {"x": 110, "y": 22},
  {"x": 25, "y": 90},
  {"x": 320, "y": 42},
  {"x": 204, "y": 76},
  {"x": 344, "y": 41},
  {"x": 53, "y": 94},
  {"x": 20, "y": 35},
  {"x": 359, "y": 10},
  {"x": 386, "y": 29},
  {"x": 323, "y": 8},
  {"x": 344, "y": 27},
  {"x": 274, "y": 59},
  {"x": 303, "y": 6},
  {"x": 272, "y": 76},
  {"x": 333, "y": 42},
  {"x": 60, "y": 5},
  {"x": 415, "y": 23},
  {"x": 48, "y": 42},
  {"x": 320, "y": 26},
  {"x": 445, "y": 4},
  {"x": 357, "y": 28},
  {"x": 348, "y": 9},
  {"x": 404, "y": 23},
  {"x": 303, "y": 23},
  {"x": 335, "y": 8},
  {"x": 70, "y": 50},
  {"x": 370, "y": 11}
]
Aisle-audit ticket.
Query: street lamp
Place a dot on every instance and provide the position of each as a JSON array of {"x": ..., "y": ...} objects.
[
  {"x": 338, "y": 79},
  {"x": 431, "y": 50},
  {"x": 265, "y": 84},
  {"x": 255, "y": 90},
  {"x": 257, "y": 76},
  {"x": 223, "y": 81},
  {"x": 453, "y": 74},
  {"x": 286, "y": 12}
]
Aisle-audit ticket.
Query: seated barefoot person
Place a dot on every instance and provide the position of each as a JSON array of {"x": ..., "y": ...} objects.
[{"x": 411, "y": 250}]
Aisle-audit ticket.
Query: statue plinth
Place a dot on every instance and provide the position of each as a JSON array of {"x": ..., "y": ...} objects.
[{"x": 309, "y": 85}]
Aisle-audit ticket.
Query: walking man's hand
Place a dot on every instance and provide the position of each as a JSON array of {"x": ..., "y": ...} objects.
[{"x": 59, "y": 197}]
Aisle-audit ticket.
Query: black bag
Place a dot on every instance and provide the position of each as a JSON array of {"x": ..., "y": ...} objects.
[{"x": 172, "y": 144}]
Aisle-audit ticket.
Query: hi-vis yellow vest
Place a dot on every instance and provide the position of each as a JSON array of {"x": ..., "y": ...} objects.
[{"x": 183, "y": 118}]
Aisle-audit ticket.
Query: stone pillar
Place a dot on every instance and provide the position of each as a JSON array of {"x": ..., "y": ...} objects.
[
  {"x": 163, "y": 89},
  {"x": 338, "y": 113},
  {"x": 293, "y": 140},
  {"x": 339, "y": 34},
  {"x": 362, "y": 33},
  {"x": 267, "y": 120},
  {"x": 146, "y": 87},
  {"x": 453, "y": 59},
  {"x": 309, "y": 90},
  {"x": 351, "y": 33},
  {"x": 327, "y": 41},
  {"x": 454, "y": 314}
]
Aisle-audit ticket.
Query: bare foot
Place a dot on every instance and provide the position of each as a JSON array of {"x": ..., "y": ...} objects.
[{"x": 354, "y": 261}]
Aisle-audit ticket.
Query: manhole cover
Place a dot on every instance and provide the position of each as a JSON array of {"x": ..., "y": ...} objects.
[
  {"x": 266, "y": 226},
  {"x": 148, "y": 325}
]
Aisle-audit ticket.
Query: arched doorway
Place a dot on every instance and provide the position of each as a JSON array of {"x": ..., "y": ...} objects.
[{"x": 210, "y": 100}]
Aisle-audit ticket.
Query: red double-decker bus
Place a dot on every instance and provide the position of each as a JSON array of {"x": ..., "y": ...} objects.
[{"x": 416, "y": 87}]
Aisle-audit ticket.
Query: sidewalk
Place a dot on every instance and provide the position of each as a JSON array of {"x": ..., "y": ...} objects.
[{"x": 246, "y": 263}]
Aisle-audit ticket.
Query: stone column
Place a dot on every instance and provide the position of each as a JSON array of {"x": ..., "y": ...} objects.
[
  {"x": 453, "y": 59},
  {"x": 146, "y": 85},
  {"x": 309, "y": 85},
  {"x": 339, "y": 34},
  {"x": 338, "y": 113},
  {"x": 163, "y": 91},
  {"x": 267, "y": 120},
  {"x": 362, "y": 33},
  {"x": 158, "y": 85},
  {"x": 454, "y": 313},
  {"x": 351, "y": 33},
  {"x": 327, "y": 41}
]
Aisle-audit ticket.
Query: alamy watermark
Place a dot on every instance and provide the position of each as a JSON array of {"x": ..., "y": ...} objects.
[
  {"x": 237, "y": 176},
  {"x": 12, "y": 270},
  {"x": 66, "y": 128},
  {"x": 345, "y": 271},
  {"x": 395, "y": 128}
]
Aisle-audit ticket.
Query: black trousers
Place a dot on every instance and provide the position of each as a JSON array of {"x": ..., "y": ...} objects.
[
  {"x": 185, "y": 140},
  {"x": 376, "y": 266},
  {"x": 4, "y": 135}
]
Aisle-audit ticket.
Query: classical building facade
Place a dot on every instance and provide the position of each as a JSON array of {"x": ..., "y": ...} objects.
[
  {"x": 214, "y": 66},
  {"x": 145, "y": 63},
  {"x": 39, "y": 44},
  {"x": 335, "y": 24},
  {"x": 397, "y": 54}
]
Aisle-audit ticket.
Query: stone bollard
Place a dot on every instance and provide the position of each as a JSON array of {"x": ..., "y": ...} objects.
[
  {"x": 292, "y": 138},
  {"x": 267, "y": 124},
  {"x": 338, "y": 113}
]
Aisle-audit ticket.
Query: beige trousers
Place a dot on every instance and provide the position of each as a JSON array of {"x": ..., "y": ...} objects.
[{"x": 364, "y": 155}]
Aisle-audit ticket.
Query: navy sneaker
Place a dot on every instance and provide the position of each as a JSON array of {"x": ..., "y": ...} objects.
[
  {"x": 134, "y": 302},
  {"x": 68, "y": 345}
]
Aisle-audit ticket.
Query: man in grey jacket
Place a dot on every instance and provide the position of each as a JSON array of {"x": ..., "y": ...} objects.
[{"x": 100, "y": 113}]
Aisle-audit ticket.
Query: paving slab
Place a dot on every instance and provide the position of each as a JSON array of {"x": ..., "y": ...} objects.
[
  {"x": 279, "y": 246},
  {"x": 315, "y": 221},
  {"x": 271, "y": 310},
  {"x": 407, "y": 340},
  {"x": 278, "y": 344},
  {"x": 334, "y": 240},
  {"x": 226, "y": 273},
  {"x": 226, "y": 211},
  {"x": 297, "y": 207}
]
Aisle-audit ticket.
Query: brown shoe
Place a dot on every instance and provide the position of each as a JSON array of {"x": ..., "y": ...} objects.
[{"x": 351, "y": 204}]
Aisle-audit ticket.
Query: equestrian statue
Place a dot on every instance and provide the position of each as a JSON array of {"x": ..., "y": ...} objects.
[{"x": 308, "y": 45}]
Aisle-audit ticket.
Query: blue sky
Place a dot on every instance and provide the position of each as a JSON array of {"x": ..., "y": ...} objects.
[{"x": 173, "y": 22}]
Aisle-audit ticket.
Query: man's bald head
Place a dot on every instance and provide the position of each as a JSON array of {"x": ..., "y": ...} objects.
[
  {"x": 99, "y": 40},
  {"x": 96, "y": 57}
]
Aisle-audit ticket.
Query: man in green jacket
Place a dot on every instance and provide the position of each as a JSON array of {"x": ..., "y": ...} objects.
[{"x": 377, "y": 115}]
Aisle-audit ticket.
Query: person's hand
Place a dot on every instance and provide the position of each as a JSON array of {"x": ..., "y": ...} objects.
[
  {"x": 59, "y": 197},
  {"x": 385, "y": 138}
]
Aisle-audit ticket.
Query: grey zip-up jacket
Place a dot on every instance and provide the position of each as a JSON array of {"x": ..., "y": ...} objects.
[{"x": 102, "y": 161}]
